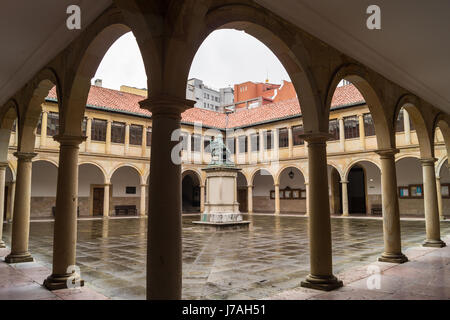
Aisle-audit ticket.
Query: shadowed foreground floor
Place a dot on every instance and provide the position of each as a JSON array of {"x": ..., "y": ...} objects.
[{"x": 270, "y": 260}]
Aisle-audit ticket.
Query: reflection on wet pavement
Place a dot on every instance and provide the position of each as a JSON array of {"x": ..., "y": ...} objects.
[{"x": 271, "y": 257}]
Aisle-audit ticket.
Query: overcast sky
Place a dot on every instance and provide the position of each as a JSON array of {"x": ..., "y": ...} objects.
[{"x": 226, "y": 57}]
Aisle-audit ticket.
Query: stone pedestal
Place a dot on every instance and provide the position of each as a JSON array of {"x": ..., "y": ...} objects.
[{"x": 221, "y": 206}]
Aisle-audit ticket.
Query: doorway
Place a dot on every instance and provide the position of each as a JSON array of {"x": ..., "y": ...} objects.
[
  {"x": 98, "y": 196},
  {"x": 242, "y": 199},
  {"x": 357, "y": 190},
  {"x": 5, "y": 203}
]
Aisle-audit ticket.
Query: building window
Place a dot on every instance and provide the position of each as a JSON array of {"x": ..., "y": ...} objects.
[
  {"x": 98, "y": 130},
  {"x": 230, "y": 145},
  {"x": 254, "y": 140},
  {"x": 369, "y": 128},
  {"x": 184, "y": 140},
  {"x": 243, "y": 146},
  {"x": 351, "y": 127},
  {"x": 195, "y": 142},
  {"x": 14, "y": 126},
  {"x": 149, "y": 137},
  {"x": 399, "y": 124},
  {"x": 52, "y": 124},
  {"x": 206, "y": 144},
  {"x": 39, "y": 125},
  {"x": 136, "y": 134},
  {"x": 283, "y": 138},
  {"x": 268, "y": 144},
  {"x": 334, "y": 129},
  {"x": 297, "y": 131},
  {"x": 118, "y": 132},
  {"x": 84, "y": 126}
]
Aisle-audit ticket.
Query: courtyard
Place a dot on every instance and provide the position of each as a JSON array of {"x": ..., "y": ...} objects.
[{"x": 270, "y": 258}]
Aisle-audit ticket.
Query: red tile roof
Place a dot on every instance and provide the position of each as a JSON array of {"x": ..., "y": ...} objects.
[{"x": 119, "y": 101}]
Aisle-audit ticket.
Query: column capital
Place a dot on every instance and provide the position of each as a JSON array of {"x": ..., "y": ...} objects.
[
  {"x": 344, "y": 181},
  {"x": 276, "y": 185},
  {"x": 45, "y": 111},
  {"x": 315, "y": 137},
  {"x": 24, "y": 156},
  {"x": 387, "y": 153},
  {"x": 428, "y": 161},
  {"x": 67, "y": 140},
  {"x": 166, "y": 105},
  {"x": 143, "y": 185},
  {"x": 250, "y": 186}
]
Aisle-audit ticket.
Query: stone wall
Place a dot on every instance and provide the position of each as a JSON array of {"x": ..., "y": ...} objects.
[
  {"x": 41, "y": 207},
  {"x": 263, "y": 204},
  {"x": 83, "y": 204},
  {"x": 124, "y": 201},
  {"x": 293, "y": 206}
]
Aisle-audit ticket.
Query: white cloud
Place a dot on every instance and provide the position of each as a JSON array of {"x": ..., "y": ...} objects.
[{"x": 226, "y": 57}]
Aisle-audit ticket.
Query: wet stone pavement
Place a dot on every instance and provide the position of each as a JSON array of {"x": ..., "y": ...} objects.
[{"x": 271, "y": 257}]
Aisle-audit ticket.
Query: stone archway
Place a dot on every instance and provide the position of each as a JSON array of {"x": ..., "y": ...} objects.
[
  {"x": 292, "y": 190},
  {"x": 43, "y": 189},
  {"x": 410, "y": 186},
  {"x": 125, "y": 191},
  {"x": 91, "y": 186},
  {"x": 263, "y": 191},
  {"x": 190, "y": 191}
]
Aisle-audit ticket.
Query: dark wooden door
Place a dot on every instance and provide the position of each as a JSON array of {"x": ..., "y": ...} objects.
[
  {"x": 242, "y": 199},
  {"x": 97, "y": 206},
  {"x": 5, "y": 204}
]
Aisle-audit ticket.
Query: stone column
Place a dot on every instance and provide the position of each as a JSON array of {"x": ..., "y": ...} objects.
[
  {"x": 108, "y": 137},
  {"x": 88, "y": 134},
  {"x": 44, "y": 129},
  {"x": 164, "y": 248},
  {"x": 362, "y": 133},
  {"x": 127, "y": 138},
  {"x": 142, "y": 202},
  {"x": 202, "y": 149},
  {"x": 291, "y": 142},
  {"x": 407, "y": 126},
  {"x": 202, "y": 198},
  {"x": 275, "y": 145},
  {"x": 439, "y": 198},
  {"x": 391, "y": 214},
  {"x": 106, "y": 199},
  {"x": 65, "y": 225},
  {"x": 189, "y": 148},
  {"x": 3, "y": 166},
  {"x": 431, "y": 205},
  {"x": 250, "y": 199},
  {"x": 144, "y": 141},
  {"x": 249, "y": 148},
  {"x": 342, "y": 134},
  {"x": 261, "y": 146},
  {"x": 277, "y": 198},
  {"x": 321, "y": 276},
  {"x": 21, "y": 217},
  {"x": 12, "y": 193},
  {"x": 344, "y": 198}
]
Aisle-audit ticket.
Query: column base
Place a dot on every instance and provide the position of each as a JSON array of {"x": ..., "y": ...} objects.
[
  {"x": 434, "y": 243},
  {"x": 324, "y": 283},
  {"x": 2, "y": 244},
  {"x": 19, "y": 258},
  {"x": 393, "y": 258},
  {"x": 58, "y": 281}
]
